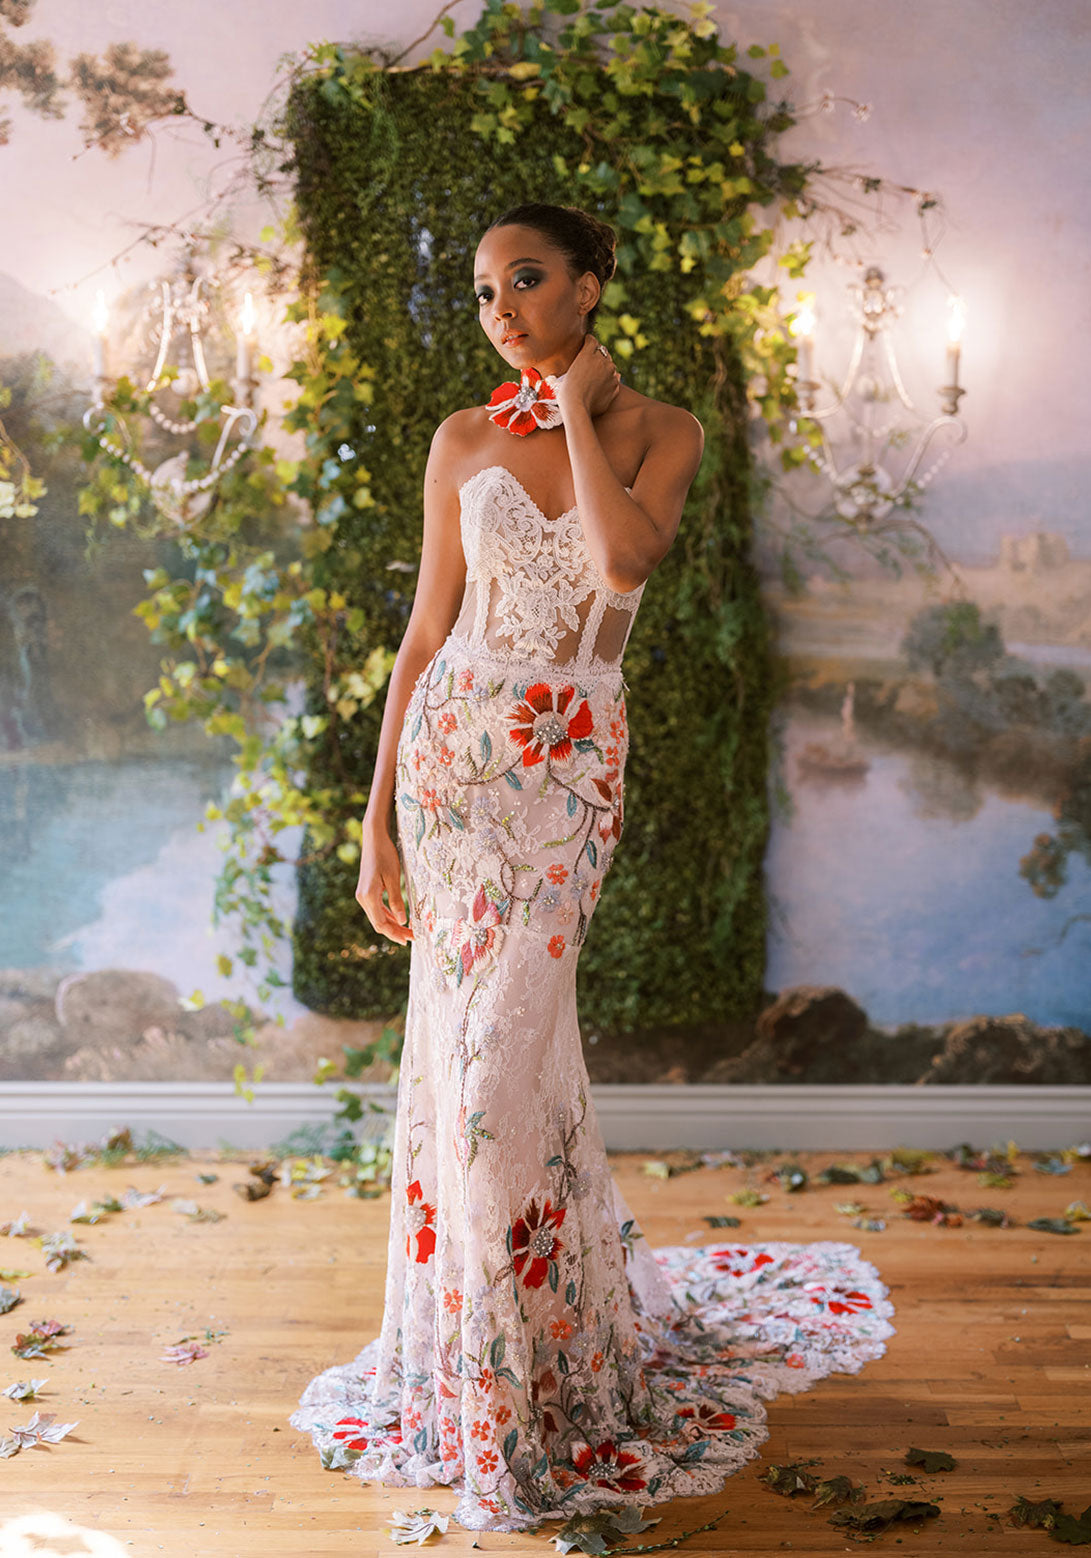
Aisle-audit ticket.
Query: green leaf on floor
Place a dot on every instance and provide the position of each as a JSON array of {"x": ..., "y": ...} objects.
[
  {"x": 839, "y": 1490},
  {"x": 1053, "y": 1225},
  {"x": 930, "y": 1460},
  {"x": 791, "y": 1478},
  {"x": 599, "y": 1532},
  {"x": 417, "y": 1526},
  {"x": 883, "y": 1513}
]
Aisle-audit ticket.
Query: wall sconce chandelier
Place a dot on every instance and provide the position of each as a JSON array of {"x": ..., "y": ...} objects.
[
  {"x": 864, "y": 488},
  {"x": 180, "y": 306}
]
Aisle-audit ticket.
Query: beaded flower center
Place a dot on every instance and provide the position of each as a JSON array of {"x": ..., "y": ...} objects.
[{"x": 550, "y": 728}]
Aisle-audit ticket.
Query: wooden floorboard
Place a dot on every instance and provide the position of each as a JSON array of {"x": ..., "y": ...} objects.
[{"x": 991, "y": 1362}]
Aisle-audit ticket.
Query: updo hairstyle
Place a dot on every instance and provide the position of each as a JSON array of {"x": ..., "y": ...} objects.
[{"x": 586, "y": 243}]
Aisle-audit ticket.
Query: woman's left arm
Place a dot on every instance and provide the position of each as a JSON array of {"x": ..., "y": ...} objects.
[{"x": 627, "y": 536}]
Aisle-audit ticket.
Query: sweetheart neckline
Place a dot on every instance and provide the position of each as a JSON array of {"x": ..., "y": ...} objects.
[{"x": 539, "y": 511}]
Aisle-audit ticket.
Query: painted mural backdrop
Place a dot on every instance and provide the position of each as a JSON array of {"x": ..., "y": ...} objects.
[{"x": 930, "y": 867}]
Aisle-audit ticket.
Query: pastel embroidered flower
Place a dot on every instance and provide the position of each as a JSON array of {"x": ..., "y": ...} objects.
[
  {"x": 476, "y": 939},
  {"x": 556, "y": 946},
  {"x": 464, "y": 680},
  {"x": 524, "y": 407},
  {"x": 533, "y": 1240},
  {"x": 542, "y": 728},
  {"x": 419, "y": 1221},
  {"x": 609, "y": 1467}
]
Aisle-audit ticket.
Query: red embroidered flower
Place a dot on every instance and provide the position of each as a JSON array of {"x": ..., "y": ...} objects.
[
  {"x": 733, "y": 1261},
  {"x": 539, "y": 727},
  {"x": 488, "y": 1461},
  {"x": 447, "y": 722},
  {"x": 556, "y": 946},
  {"x": 609, "y": 1467},
  {"x": 452, "y": 1300},
  {"x": 557, "y": 874},
  {"x": 846, "y": 1304},
  {"x": 526, "y": 406},
  {"x": 533, "y": 1240},
  {"x": 610, "y": 823},
  {"x": 348, "y": 1431},
  {"x": 420, "y": 1219},
  {"x": 708, "y": 1417},
  {"x": 480, "y": 934}
]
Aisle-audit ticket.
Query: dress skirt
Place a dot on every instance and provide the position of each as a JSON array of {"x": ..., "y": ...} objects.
[{"x": 535, "y": 1354}]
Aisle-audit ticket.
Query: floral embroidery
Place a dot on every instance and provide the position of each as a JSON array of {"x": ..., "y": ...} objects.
[
  {"x": 347, "y": 1431},
  {"x": 526, "y": 406},
  {"x": 533, "y": 1239},
  {"x": 420, "y": 1219},
  {"x": 609, "y": 1467},
  {"x": 475, "y": 941},
  {"x": 846, "y": 1304},
  {"x": 559, "y": 1332},
  {"x": 539, "y": 726}
]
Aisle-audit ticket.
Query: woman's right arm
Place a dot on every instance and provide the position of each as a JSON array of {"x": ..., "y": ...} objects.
[{"x": 440, "y": 585}]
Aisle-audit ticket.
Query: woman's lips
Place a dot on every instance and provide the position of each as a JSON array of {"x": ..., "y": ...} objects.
[{"x": 514, "y": 338}]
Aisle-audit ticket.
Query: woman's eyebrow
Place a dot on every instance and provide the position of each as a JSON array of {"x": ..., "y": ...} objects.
[{"x": 526, "y": 260}]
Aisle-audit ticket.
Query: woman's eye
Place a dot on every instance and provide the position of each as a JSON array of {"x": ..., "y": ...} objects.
[
  {"x": 531, "y": 280},
  {"x": 483, "y": 297}
]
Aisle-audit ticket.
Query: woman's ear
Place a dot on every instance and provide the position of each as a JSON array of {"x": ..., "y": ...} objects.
[{"x": 588, "y": 291}]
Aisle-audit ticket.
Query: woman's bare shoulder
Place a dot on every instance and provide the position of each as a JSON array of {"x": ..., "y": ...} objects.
[
  {"x": 662, "y": 424},
  {"x": 458, "y": 439}
]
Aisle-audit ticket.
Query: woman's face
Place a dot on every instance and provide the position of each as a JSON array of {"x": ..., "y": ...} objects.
[{"x": 530, "y": 306}]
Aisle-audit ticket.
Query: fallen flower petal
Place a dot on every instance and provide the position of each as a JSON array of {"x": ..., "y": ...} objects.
[{"x": 24, "y": 1389}]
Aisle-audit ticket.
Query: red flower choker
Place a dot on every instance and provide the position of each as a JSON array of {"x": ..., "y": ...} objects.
[{"x": 524, "y": 407}]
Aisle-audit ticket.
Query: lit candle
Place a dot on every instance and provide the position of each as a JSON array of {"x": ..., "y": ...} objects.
[
  {"x": 956, "y": 317},
  {"x": 802, "y": 328},
  {"x": 244, "y": 339},
  {"x": 100, "y": 321}
]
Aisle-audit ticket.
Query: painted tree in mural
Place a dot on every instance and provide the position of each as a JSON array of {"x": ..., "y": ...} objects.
[{"x": 121, "y": 93}]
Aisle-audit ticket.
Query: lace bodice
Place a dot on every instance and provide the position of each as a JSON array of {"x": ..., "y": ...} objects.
[{"x": 532, "y": 587}]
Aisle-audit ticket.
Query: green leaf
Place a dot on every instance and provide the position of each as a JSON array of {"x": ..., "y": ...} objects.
[{"x": 931, "y": 1460}]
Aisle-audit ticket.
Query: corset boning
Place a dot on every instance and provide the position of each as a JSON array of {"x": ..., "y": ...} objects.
[{"x": 533, "y": 590}]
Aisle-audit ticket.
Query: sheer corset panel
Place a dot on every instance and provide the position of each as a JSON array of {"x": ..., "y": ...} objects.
[{"x": 532, "y": 587}]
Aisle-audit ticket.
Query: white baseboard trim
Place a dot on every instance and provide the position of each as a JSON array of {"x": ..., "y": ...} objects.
[{"x": 206, "y": 1115}]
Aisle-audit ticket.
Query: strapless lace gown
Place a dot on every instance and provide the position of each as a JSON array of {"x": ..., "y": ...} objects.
[{"x": 535, "y": 1354}]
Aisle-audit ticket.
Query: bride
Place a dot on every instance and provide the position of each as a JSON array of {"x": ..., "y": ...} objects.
[{"x": 535, "y": 1354}]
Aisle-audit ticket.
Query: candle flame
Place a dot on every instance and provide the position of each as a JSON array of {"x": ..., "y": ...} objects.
[
  {"x": 248, "y": 317},
  {"x": 803, "y": 323},
  {"x": 101, "y": 314},
  {"x": 956, "y": 318}
]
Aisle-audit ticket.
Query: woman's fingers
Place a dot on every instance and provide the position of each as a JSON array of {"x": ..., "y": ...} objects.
[{"x": 391, "y": 921}]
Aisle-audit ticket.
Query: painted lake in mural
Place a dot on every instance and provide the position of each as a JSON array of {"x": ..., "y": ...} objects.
[
  {"x": 897, "y": 878},
  {"x": 102, "y": 866}
]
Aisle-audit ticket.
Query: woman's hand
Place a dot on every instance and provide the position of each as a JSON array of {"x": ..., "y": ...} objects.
[
  {"x": 380, "y": 871},
  {"x": 591, "y": 381}
]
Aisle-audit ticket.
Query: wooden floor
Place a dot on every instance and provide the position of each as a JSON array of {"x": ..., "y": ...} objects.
[{"x": 991, "y": 1362}]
